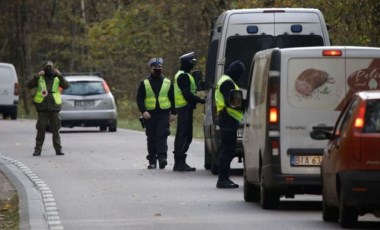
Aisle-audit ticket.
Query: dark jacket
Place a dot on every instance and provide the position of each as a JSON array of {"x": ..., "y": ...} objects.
[
  {"x": 156, "y": 83},
  {"x": 48, "y": 104}
]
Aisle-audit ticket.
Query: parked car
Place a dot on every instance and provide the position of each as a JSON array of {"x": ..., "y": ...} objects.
[
  {"x": 350, "y": 167},
  {"x": 9, "y": 91},
  {"x": 88, "y": 102}
]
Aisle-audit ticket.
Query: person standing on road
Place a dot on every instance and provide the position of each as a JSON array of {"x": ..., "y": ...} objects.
[
  {"x": 185, "y": 102},
  {"x": 229, "y": 119},
  {"x": 48, "y": 104},
  {"x": 155, "y": 100}
]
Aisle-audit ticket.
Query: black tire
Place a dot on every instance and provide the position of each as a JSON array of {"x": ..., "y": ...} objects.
[
  {"x": 348, "y": 215},
  {"x": 214, "y": 163},
  {"x": 329, "y": 213},
  {"x": 251, "y": 192},
  {"x": 14, "y": 115},
  {"x": 113, "y": 127},
  {"x": 269, "y": 198}
]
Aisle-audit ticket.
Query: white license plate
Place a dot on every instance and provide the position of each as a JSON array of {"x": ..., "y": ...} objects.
[
  {"x": 308, "y": 160},
  {"x": 85, "y": 103},
  {"x": 240, "y": 133}
]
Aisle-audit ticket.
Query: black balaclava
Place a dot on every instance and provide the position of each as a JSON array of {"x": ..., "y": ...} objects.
[
  {"x": 186, "y": 66},
  {"x": 235, "y": 70}
]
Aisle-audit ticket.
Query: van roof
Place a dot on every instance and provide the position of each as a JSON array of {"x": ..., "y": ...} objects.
[{"x": 271, "y": 10}]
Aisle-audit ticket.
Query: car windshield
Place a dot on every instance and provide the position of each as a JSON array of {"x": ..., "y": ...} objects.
[{"x": 84, "y": 88}]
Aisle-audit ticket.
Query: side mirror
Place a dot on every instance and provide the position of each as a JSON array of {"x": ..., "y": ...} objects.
[
  {"x": 197, "y": 74},
  {"x": 320, "y": 134},
  {"x": 236, "y": 99}
]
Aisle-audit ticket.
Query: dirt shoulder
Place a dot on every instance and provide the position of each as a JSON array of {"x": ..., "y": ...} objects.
[{"x": 9, "y": 217}]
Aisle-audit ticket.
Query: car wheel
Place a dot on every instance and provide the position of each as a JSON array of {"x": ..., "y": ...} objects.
[
  {"x": 348, "y": 215},
  {"x": 103, "y": 127},
  {"x": 251, "y": 191},
  {"x": 269, "y": 198},
  {"x": 113, "y": 127},
  {"x": 14, "y": 115},
  {"x": 207, "y": 164},
  {"x": 329, "y": 213}
]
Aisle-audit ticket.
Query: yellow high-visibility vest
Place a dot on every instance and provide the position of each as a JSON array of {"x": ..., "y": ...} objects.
[
  {"x": 220, "y": 103},
  {"x": 163, "y": 98},
  {"x": 42, "y": 91},
  {"x": 179, "y": 99}
]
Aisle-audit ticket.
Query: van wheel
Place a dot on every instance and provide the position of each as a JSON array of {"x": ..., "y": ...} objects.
[
  {"x": 348, "y": 215},
  {"x": 214, "y": 163},
  {"x": 14, "y": 115},
  {"x": 329, "y": 213},
  {"x": 251, "y": 192},
  {"x": 269, "y": 198}
]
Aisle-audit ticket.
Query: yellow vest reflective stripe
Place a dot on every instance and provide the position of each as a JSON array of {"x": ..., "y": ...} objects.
[
  {"x": 42, "y": 91},
  {"x": 220, "y": 104},
  {"x": 180, "y": 101},
  {"x": 163, "y": 98}
]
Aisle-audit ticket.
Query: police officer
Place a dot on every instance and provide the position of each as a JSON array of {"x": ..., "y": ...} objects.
[
  {"x": 155, "y": 100},
  {"x": 48, "y": 104},
  {"x": 229, "y": 119},
  {"x": 185, "y": 102}
]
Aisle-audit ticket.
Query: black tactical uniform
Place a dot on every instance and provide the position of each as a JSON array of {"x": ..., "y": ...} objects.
[{"x": 157, "y": 125}]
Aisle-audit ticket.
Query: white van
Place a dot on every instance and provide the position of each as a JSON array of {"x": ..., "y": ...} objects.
[
  {"x": 9, "y": 91},
  {"x": 291, "y": 92},
  {"x": 238, "y": 35}
]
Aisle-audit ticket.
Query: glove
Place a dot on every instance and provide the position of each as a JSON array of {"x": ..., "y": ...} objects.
[{"x": 202, "y": 101}]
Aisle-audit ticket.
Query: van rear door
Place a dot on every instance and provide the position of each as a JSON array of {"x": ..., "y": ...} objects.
[{"x": 8, "y": 82}]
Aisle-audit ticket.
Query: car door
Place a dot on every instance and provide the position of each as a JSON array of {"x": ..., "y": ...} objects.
[{"x": 332, "y": 152}]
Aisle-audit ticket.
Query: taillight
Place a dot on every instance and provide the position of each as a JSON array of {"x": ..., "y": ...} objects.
[
  {"x": 332, "y": 53},
  {"x": 16, "y": 90},
  {"x": 275, "y": 147},
  {"x": 273, "y": 111},
  {"x": 359, "y": 120},
  {"x": 107, "y": 89}
]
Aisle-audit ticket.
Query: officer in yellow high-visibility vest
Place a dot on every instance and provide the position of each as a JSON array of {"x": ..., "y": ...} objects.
[
  {"x": 185, "y": 102},
  {"x": 155, "y": 100},
  {"x": 229, "y": 119},
  {"x": 47, "y": 100}
]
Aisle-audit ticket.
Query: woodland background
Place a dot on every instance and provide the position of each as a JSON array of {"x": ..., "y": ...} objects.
[{"x": 118, "y": 37}]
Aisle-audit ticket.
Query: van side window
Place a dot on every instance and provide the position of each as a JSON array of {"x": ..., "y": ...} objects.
[
  {"x": 260, "y": 74},
  {"x": 249, "y": 45},
  {"x": 211, "y": 63}
]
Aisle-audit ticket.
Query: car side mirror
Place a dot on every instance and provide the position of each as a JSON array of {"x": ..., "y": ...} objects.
[
  {"x": 236, "y": 100},
  {"x": 321, "y": 134},
  {"x": 197, "y": 75}
]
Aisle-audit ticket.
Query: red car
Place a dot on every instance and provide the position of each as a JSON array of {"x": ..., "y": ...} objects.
[{"x": 350, "y": 168}]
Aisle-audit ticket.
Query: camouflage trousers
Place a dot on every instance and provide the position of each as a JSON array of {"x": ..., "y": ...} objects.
[{"x": 48, "y": 119}]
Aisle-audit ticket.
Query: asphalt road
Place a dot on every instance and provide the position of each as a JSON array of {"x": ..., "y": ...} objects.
[{"x": 102, "y": 183}]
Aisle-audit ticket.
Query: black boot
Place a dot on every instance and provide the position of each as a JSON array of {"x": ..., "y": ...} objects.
[
  {"x": 162, "y": 163},
  {"x": 226, "y": 183},
  {"x": 183, "y": 167}
]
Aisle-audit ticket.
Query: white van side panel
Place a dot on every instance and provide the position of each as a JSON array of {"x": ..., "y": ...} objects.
[{"x": 8, "y": 78}]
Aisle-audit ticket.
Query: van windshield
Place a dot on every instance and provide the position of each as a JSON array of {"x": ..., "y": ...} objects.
[{"x": 243, "y": 48}]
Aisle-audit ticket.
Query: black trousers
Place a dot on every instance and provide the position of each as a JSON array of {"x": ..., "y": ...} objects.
[
  {"x": 227, "y": 152},
  {"x": 184, "y": 134},
  {"x": 157, "y": 132}
]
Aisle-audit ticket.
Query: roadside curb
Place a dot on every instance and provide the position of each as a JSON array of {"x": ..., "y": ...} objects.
[{"x": 37, "y": 208}]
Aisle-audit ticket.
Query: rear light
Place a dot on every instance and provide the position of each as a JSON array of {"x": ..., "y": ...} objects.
[
  {"x": 275, "y": 147},
  {"x": 106, "y": 88},
  {"x": 359, "y": 189},
  {"x": 273, "y": 111},
  {"x": 359, "y": 120},
  {"x": 332, "y": 52},
  {"x": 16, "y": 90}
]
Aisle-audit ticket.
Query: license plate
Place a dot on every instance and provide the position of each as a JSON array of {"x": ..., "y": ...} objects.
[
  {"x": 308, "y": 160},
  {"x": 84, "y": 103},
  {"x": 240, "y": 133}
]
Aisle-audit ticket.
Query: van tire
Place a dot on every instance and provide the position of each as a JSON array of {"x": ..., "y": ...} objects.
[
  {"x": 251, "y": 192},
  {"x": 348, "y": 215},
  {"x": 329, "y": 213},
  {"x": 214, "y": 163},
  {"x": 14, "y": 116},
  {"x": 269, "y": 198}
]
